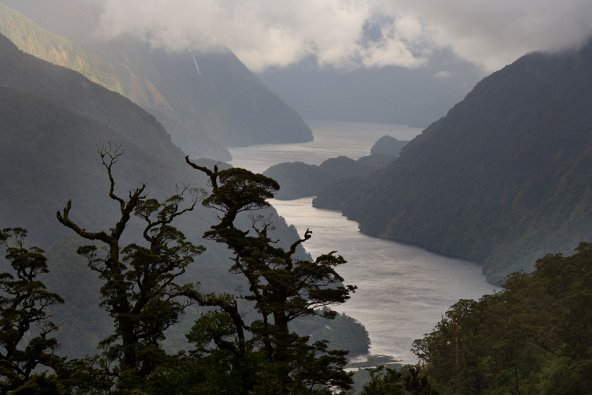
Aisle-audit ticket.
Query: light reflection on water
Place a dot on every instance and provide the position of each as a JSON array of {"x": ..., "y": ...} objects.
[
  {"x": 331, "y": 139},
  {"x": 403, "y": 291}
]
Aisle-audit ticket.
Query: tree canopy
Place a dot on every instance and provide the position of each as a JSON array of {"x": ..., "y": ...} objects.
[
  {"x": 26, "y": 344},
  {"x": 282, "y": 286},
  {"x": 535, "y": 336}
]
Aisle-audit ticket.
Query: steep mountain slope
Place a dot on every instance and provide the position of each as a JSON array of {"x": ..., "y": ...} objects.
[
  {"x": 31, "y": 38},
  {"x": 68, "y": 89},
  {"x": 505, "y": 177},
  {"x": 211, "y": 92},
  {"x": 51, "y": 121},
  {"x": 204, "y": 100}
]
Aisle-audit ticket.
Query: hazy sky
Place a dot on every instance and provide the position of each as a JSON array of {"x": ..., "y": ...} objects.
[{"x": 355, "y": 33}]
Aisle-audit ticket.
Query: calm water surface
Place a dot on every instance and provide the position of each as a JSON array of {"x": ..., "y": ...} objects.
[
  {"x": 403, "y": 291},
  {"x": 331, "y": 139}
]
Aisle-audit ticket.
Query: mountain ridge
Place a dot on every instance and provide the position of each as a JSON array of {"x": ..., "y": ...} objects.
[
  {"x": 226, "y": 106},
  {"x": 503, "y": 178}
]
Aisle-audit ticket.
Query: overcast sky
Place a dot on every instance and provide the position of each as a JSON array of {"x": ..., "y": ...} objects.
[{"x": 355, "y": 33}]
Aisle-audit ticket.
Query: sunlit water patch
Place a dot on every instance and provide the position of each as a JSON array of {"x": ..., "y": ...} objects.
[
  {"x": 402, "y": 290},
  {"x": 331, "y": 139}
]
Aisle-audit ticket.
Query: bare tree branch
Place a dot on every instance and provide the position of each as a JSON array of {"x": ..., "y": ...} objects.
[
  {"x": 64, "y": 218},
  {"x": 212, "y": 174}
]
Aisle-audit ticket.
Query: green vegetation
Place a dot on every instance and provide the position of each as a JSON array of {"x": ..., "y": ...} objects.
[
  {"x": 342, "y": 332},
  {"x": 55, "y": 49},
  {"x": 140, "y": 290},
  {"x": 534, "y": 337},
  {"x": 407, "y": 380},
  {"x": 25, "y": 325},
  {"x": 282, "y": 287}
]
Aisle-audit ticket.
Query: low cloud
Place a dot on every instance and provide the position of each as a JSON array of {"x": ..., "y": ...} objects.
[
  {"x": 270, "y": 33},
  {"x": 353, "y": 33},
  {"x": 442, "y": 75},
  {"x": 493, "y": 33}
]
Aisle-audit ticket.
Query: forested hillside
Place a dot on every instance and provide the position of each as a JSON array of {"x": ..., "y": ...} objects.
[
  {"x": 505, "y": 177},
  {"x": 533, "y": 337}
]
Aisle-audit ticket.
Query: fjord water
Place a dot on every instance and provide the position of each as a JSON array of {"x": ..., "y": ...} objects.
[
  {"x": 331, "y": 139},
  {"x": 403, "y": 291}
]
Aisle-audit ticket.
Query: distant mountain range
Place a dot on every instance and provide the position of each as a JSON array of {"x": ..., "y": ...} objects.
[
  {"x": 503, "y": 179},
  {"x": 206, "y": 101}
]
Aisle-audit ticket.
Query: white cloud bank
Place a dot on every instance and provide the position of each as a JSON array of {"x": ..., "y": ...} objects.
[{"x": 354, "y": 33}]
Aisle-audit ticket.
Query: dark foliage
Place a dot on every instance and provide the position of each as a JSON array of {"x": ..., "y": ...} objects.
[
  {"x": 140, "y": 287},
  {"x": 269, "y": 357},
  {"x": 534, "y": 337},
  {"x": 409, "y": 380},
  {"x": 26, "y": 342}
]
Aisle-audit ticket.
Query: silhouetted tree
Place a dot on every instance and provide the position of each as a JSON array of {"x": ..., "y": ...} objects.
[
  {"x": 140, "y": 288},
  {"x": 282, "y": 288},
  {"x": 25, "y": 325}
]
